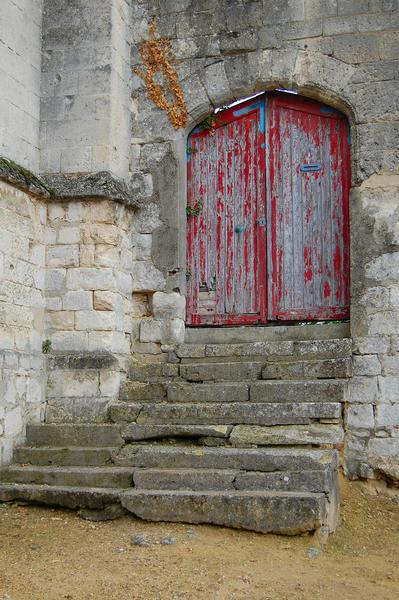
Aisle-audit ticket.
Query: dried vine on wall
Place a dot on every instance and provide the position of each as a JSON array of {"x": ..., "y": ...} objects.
[{"x": 157, "y": 58}]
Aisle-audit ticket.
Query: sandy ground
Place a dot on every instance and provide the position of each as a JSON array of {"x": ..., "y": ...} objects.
[{"x": 48, "y": 554}]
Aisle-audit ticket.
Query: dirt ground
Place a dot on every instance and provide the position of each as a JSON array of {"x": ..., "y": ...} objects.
[{"x": 49, "y": 554}]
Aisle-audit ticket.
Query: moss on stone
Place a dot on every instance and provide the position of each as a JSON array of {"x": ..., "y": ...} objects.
[{"x": 21, "y": 173}]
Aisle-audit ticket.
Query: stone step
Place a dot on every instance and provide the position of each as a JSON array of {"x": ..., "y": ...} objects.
[
  {"x": 66, "y": 496},
  {"x": 232, "y": 335},
  {"x": 74, "y": 435},
  {"x": 184, "y": 479},
  {"x": 314, "y": 434},
  {"x": 138, "y": 391},
  {"x": 245, "y": 459},
  {"x": 221, "y": 371},
  {"x": 208, "y": 392},
  {"x": 257, "y": 391},
  {"x": 63, "y": 456},
  {"x": 136, "y": 432},
  {"x": 297, "y": 391},
  {"x": 278, "y": 512},
  {"x": 153, "y": 372},
  {"x": 270, "y": 350},
  {"x": 105, "y": 477},
  {"x": 223, "y": 479},
  {"x": 227, "y": 413},
  {"x": 333, "y": 368}
]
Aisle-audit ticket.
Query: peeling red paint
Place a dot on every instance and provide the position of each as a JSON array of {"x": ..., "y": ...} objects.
[{"x": 248, "y": 264}]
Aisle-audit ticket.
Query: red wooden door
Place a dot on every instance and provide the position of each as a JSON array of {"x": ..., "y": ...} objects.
[
  {"x": 308, "y": 191},
  {"x": 246, "y": 264},
  {"x": 226, "y": 219}
]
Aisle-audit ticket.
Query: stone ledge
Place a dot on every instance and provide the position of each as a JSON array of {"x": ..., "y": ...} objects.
[
  {"x": 81, "y": 360},
  {"x": 20, "y": 177},
  {"x": 92, "y": 185}
]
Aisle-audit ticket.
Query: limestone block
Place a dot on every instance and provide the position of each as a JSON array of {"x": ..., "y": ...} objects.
[
  {"x": 147, "y": 278},
  {"x": 387, "y": 415},
  {"x": 69, "y": 340},
  {"x": 389, "y": 388},
  {"x": 360, "y": 416},
  {"x": 283, "y": 12},
  {"x": 245, "y": 435},
  {"x": 87, "y": 252},
  {"x": 362, "y": 390},
  {"x": 173, "y": 332},
  {"x": 371, "y": 345},
  {"x": 34, "y": 391},
  {"x": 102, "y": 233},
  {"x": 90, "y": 279},
  {"x": 147, "y": 218},
  {"x": 109, "y": 383},
  {"x": 142, "y": 246},
  {"x": 102, "y": 211},
  {"x": 106, "y": 255},
  {"x": 384, "y": 268},
  {"x": 113, "y": 341},
  {"x": 97, "y": 320},
  {"x": 68, "y": 235},
  {"x": 107, "y": 301},
  {"x": 215, "y": 82},
  {"x": 366, "y": 365},
  {"x": 384, "y": 447},
  {"x": 390, "y": 364},
  {"x": 150, "y": 331},
  {"x": 124, "y": 283},
  {"x": 63, "y": 319},
  {"x": 354, "y": 49},
  {"x": 54, "y": 280},
  {"x": 384, "y": 322},
  {"x": 13, "y": 423},
  {"x": 168, "y": 306},
  {"x": 81, "y": 300},
  {"x": 71, "y": 384}
]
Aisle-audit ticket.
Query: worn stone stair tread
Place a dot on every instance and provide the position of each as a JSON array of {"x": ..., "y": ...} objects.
[
  {"x": 328, "y": 368},
  {"x": 297, "y": 390},
  {"x": 250, "y": 459},
  {"x": 71, "y": 434},
  {"x": 179, "y": 479},
  {"x": 66, "y": 496},
  {"x": 275, "y": 390},
  {"x": 136, "y": 431},
  {"x": 65, "y": 455},
  {"x": 287, "y": 513},
  {"x": 233, "y": 413},
  {"x": 292, "y": 435},
  {"x": 221, "y": 371},
  {"x": 231, "y": 335},
  {"x": 108, "y": 477},
  {"x": 265, "y": 350},
  {"x": 233, "y": 479}
]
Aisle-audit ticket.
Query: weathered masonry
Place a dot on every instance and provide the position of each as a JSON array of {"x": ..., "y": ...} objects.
[{"x": 199, "y": 263}]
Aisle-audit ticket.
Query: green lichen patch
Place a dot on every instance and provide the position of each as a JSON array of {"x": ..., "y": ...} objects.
[{"x": 20, "y": 175}]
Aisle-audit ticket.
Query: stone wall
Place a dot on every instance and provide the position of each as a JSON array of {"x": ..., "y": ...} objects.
[
  {"x": 20, "y": 57},
  {"x": 85, "y": 86},
  {"x": 342, "y": 53},
  {"x": 89, "y": 306},
  {"x": 22, "y": 307}
]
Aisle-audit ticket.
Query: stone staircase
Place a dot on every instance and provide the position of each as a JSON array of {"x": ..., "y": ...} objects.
[{"x": 229, "y": 431}]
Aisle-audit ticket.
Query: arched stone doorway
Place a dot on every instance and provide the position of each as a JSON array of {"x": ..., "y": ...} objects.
[{"x": 268, "y": 213}]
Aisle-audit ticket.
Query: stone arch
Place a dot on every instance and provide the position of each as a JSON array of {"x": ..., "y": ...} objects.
[{"x": 311, "y": 74}]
